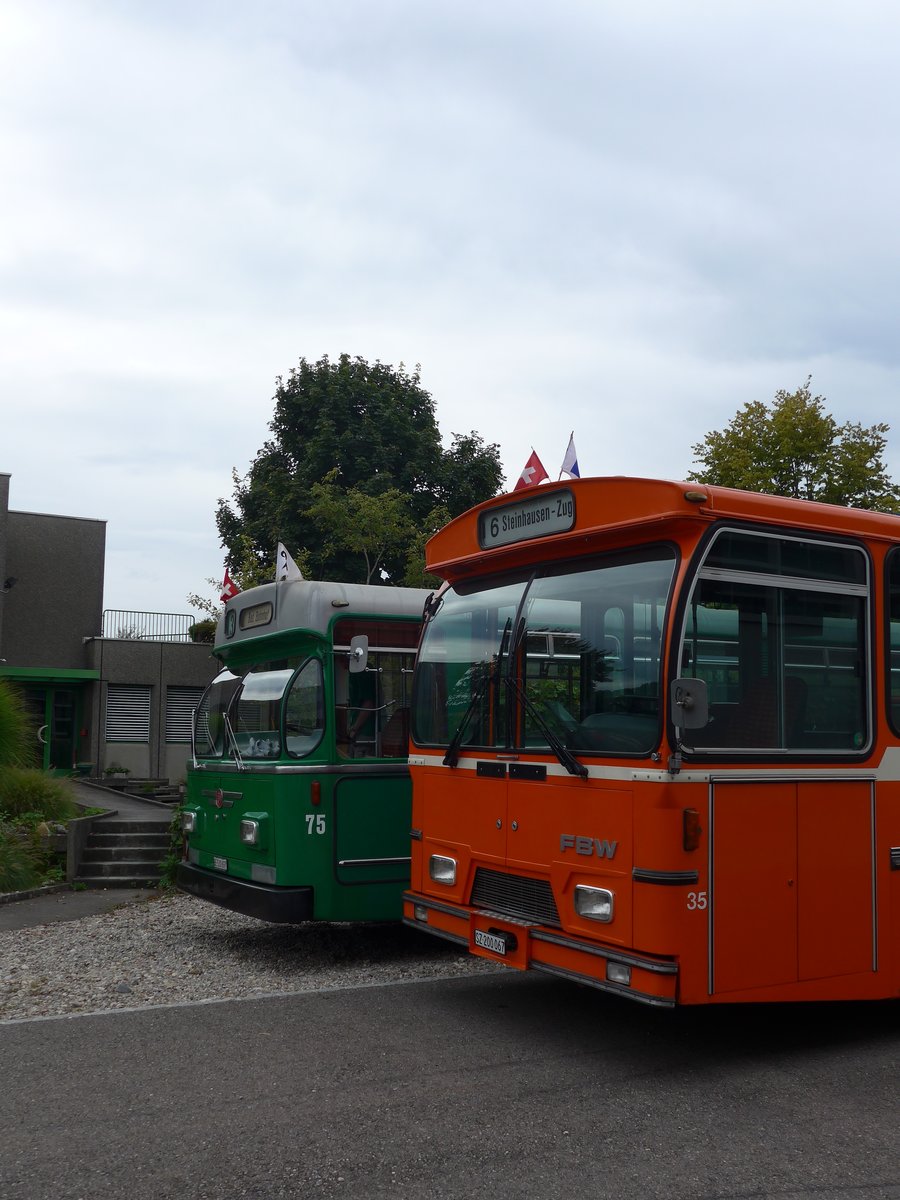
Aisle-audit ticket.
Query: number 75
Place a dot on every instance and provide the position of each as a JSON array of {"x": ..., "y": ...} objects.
[{"x": 315, "y": 823}]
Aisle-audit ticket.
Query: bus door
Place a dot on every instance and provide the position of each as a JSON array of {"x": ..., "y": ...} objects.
[
  {"x": 792, "y": 881},
  {"x": 777, "y": 626},
  {"x": 371, "y": 796}
]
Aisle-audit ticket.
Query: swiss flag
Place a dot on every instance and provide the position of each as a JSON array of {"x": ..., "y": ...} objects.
[
  {"x": 229, "y": 588},
  {"x": 532, "y": 473}
]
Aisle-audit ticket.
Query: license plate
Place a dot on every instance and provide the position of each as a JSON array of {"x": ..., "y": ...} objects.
[
  {"x": 490, "y": 941},
  {"x": 220, "y": 864}
]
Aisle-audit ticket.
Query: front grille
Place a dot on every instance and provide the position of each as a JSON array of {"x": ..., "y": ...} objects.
[{"x": 514, "y": 896}]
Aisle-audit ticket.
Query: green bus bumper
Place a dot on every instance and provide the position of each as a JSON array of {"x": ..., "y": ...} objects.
[{"x": 267, "y": 903}]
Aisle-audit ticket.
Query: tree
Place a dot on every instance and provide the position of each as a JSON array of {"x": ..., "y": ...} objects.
[
  {"x": 372, "y": 424},
  {"x": 795, "y": 448},
  {"x": 377, "y": 527}
]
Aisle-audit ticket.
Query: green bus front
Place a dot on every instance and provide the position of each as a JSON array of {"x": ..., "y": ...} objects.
[{"x": 298, "y": 801}]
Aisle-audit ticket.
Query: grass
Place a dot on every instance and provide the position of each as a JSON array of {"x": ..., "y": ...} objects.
[
  {"x": 16, "y": 734},
  {"x": 27, "y": 790},
  {"x": 19, "y": 867}
]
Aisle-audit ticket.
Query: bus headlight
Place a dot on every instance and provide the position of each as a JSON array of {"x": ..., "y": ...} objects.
[
  {"x": 442, "y": 870},
  {"x": 594, "y": 903},
  {"x": 188, "y": 821},
  {"x": 250, "y": 832}
]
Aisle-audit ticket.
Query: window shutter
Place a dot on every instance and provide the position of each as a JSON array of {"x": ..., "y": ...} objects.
[
  {"x": 127, "y": 714},
  {"x": 181, "y": 702}
]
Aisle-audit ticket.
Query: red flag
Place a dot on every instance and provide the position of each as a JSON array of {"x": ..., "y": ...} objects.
[
  {"x": 229, "y": 588},
  {"x": 532, "y": 473}
]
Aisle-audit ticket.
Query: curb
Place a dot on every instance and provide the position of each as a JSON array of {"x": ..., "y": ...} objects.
[{"x": 12, "y": 897}]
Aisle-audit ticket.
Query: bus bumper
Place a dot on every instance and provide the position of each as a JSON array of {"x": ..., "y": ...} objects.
[
  {"x": 280, "y": 905},
  {"x": 524, "y": 946}
]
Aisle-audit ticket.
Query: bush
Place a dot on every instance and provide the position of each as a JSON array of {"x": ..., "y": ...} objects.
[
  {"x": 16, "y": 733},
  {"x": 203, "y": 631},
  {"x": 19, "y": 869},
  {"x": 27, "y": 790}
]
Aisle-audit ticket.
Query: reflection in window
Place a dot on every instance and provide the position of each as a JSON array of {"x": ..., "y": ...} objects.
[
  {"x": 784, "y": 661},
  {"x": 577, "y": 650},
  {"x": 256, "y": 714},
  {"x": 591, "y": 662},
  {"x": 209, "y": 726},
  {"x": 893, "y": 665},
  {"x": 304, "y": 710}
]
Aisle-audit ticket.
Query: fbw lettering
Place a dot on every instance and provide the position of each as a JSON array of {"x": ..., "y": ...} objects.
[{"x": 587, "y": 845}]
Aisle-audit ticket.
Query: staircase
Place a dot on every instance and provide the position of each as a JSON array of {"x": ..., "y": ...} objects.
[{"x": 124, "y": 853}]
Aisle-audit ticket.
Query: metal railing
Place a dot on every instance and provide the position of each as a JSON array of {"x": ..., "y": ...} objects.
[{"x": 147, "y": 626}]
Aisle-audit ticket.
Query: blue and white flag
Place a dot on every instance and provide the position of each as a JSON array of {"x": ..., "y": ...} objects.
[{"x": 570, "y": 462}]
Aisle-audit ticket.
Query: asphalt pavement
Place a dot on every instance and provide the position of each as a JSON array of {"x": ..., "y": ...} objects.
[{"x": 512, "y": 1087}]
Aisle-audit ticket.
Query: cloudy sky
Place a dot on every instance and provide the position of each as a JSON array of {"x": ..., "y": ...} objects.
[{"x": 625, "y": 219}]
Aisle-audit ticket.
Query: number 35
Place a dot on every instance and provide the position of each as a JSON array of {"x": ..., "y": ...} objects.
[{"x": 696, "y": 900}]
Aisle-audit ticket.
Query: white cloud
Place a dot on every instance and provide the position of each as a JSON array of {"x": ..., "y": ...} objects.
[{"x": 625, "y": 220}]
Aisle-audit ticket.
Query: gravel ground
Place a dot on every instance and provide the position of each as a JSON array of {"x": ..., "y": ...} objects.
[{"x": 174, "y": 948}]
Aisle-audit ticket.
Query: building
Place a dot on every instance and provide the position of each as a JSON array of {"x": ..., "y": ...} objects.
[{"x": 106, "y": 689}]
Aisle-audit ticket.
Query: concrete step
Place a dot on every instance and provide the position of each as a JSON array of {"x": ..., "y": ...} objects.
[
  {"x": 123, "y": 869},
  {"x": 102, "y": 854},
  {"x": 146, "y": 880},
  {"x": 156, "y": 837},
  {"x": 104, "y": 827}
]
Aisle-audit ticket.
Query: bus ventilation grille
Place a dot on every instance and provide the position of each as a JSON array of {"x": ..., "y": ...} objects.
[{"x": 528, "y": 899}]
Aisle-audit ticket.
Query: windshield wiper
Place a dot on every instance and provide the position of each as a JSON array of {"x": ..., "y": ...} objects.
[
  {"x": 451, "y": 758},
  {"x": 565, "y": 756},
  {"x": 241, "y": 766}
]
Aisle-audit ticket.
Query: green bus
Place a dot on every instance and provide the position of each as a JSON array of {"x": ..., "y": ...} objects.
[{"x": 297, "y": 806}]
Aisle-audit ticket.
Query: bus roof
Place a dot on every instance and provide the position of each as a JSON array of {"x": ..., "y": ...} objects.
[
  {"x": 515, "y": 527},
  {"x": 310, "y": 604}
]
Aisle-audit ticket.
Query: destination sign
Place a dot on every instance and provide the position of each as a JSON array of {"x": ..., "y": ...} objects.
[
  {"x": 259, "y": 614},
  {"x": 542, "y": 514}
]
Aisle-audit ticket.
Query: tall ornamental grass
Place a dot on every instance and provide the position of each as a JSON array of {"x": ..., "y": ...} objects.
[
  {"x": 17, "y": 742},
  {"x": 19, "y": 869},
  {"x": 27, "y": 790}
]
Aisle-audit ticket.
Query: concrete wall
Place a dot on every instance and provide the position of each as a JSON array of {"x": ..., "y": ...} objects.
[
  {"x": 159, "y": 666},
  {"x": 57, "y": 599}
]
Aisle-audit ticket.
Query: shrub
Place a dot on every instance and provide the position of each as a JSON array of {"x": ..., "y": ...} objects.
[
  {"x": 17, "y": 740},
  {"x": 175, "y": 853},
  {"x": 19, "y": 869},
  {"x": 28, "y": 790}
]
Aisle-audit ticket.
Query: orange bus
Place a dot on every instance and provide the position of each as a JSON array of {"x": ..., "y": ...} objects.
[{"x": 655, "y": 742}]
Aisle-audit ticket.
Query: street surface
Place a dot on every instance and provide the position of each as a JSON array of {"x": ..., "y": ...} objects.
[{"x": 498, "y": 1087}]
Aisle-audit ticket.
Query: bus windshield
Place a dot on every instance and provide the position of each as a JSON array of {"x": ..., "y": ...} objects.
[
  {"x": 567, "y": 655},
  {"x": 245, "y": 714}
]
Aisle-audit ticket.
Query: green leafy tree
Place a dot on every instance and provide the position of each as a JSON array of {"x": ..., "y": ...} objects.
[
  {"x": 375, "y": 425},
  {"x": 415, "y": 574},
  {"x": 793, "y": 447},
  {"x": 375, "y": 527}
]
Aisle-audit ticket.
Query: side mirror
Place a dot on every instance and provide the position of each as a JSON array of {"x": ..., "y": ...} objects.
[
  {"x": 359, "y": 653},
  {"x": 690, "y": 708}
]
